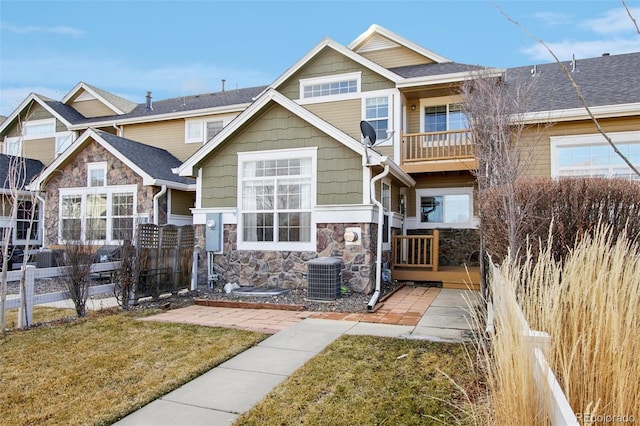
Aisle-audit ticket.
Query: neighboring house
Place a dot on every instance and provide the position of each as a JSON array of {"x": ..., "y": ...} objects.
[
  {"x": 47, "y": 130},
  {"x": 290, "y": 177},
  {"x": 21, "y": 214},
  {"x": 103, "y": 185}
]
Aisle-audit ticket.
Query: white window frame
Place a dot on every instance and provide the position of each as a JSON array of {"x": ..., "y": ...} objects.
[
  {"x": 83, "y": 193},
  {"x": 51, "y": 122},
  {"x": 13, "y": 146},
  {"x": 436, "y": 192},
  {"x": 390, "y": 121},
  {"x": 244, "y": 157},
  {"x": 436, "y": 102},
  {"x": 98, "y": 166},
  {"x": 199, "y": 126},
  {"x": 336, "y": 78},
  {"x": 592, "y": 139},
  {"x": 60, "y": 138}
]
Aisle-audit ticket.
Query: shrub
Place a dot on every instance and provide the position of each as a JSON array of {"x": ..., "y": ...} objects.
[{"x": 565, "y": 210}]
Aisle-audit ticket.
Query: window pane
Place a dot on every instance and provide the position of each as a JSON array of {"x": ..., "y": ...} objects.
[
  {"x": 213, "y": 128},
  {"x": 431, "y": 209},
  {"x": 294, "y": 227},
  {"x": 39, "y": 129},
  {"x": 97, "y": 177},
  {"x": 456, "y": 208},
  {"x": 258, "y": 226},
  {"x": 330, "y": 88}
]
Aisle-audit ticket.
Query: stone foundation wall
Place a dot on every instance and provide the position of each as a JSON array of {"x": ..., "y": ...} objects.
[
  {"x": 457, "y": 246},
  {"x": 288, "y": 269}
]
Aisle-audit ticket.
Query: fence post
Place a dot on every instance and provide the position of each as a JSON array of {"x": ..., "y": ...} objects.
[
  {"x": 435, "y": 249},
  {"x": 25, "y": 311}
]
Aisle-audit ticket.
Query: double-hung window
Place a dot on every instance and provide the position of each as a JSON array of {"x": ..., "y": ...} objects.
[
  {"x": 13, "y": 146},
  {"x": 27, "y": 216},
  {"x": 377, "y": 114},
  {"x": 276, "y": 197}
]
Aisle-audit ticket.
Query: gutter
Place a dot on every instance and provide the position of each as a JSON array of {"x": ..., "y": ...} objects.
[
  {"x": 155, "y": 204},
  {"x": 385, "y": 172}
]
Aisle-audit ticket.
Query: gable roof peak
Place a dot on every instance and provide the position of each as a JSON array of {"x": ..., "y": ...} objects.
[
  {"x": 377, "y": 30},
  {"x": 118, "y": 104}
]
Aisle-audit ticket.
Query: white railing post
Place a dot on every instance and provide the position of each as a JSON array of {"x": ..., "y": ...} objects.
[{"x": 25, "y": 311}]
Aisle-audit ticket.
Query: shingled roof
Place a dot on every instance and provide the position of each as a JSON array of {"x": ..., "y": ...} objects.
[
  {"x": 429, "y": 70},
  {"x": 189, "y": 103},
  {"x": 31, "y": 169},
  {"x": 604, "y": 80},
  {"x": 156, "y": 162}
]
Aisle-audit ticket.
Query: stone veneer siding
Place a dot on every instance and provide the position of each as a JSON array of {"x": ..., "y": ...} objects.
[
  {"x": 288, "y": 269},
  {"x": 74, "y": 175},
  {"x": 458, "y": 247}
]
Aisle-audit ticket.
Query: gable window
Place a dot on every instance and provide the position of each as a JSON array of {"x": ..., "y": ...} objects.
[
  {"x": 377, "y": 114},
  {"x": 447, "y": 207},
  {"x": 96, "y": 174},
  {"x": 335, "y": 85},
  {"x": 276, "y": 196},
  {"x": 592, "y": 156},
  {"x": 39, "y": 129},
  {"x": 202, "y": 131}
]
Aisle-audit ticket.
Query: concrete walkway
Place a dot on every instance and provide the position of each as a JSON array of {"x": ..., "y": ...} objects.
[{"x": 219, "y": 396}]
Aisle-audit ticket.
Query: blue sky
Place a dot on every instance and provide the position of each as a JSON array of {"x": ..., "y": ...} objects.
[{"x": 176, "y": 48}]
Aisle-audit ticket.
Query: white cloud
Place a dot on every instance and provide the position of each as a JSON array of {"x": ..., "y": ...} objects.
[
  {"x": 30, "y": 29},
  {"x": 615, "y": 21},
  {"x": 612, "y": 33},
  {"x": 582, "y": 49}
]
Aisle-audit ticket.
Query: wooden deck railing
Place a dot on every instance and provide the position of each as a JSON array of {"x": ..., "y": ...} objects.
[
  {"x": 429, "y": 146},
  {"x": 416, "y": 251}
]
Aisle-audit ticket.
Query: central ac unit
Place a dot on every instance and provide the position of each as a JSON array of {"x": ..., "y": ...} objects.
[{"x": 324, "y": 278}]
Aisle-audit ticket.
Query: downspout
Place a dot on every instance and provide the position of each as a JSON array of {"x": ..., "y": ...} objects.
[
  {"x": 156, "y": 197},
  {"x": 376, "y": 293}
]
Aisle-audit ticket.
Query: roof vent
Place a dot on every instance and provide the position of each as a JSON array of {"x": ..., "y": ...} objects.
[
  {"x": 223, "y": 80},
  {"x": 149, "y": 106},
  {"x": 574, "y": 64},
  {"x": 605, "y": 54}
]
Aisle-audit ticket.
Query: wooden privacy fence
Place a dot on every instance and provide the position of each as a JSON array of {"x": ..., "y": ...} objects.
[
  {"x": 504, "y": 305},
  {"x": 165, "y": 256}
]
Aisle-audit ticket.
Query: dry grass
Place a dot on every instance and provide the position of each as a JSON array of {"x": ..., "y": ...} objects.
[
  {"x": 361, "y": 380},
  {"x": 41, "y": 314},
  {"x": 589, "y": 307},
  {"x": 96, "y": 370}
]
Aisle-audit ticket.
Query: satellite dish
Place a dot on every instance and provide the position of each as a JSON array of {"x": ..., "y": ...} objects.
[{"x": 368, "y": 132}]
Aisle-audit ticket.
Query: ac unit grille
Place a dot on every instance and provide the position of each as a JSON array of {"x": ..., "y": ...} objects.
[{"x": 324, "y": 278}]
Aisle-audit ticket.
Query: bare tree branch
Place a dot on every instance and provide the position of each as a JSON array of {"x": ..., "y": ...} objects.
[
  {"x": 635, "y": 23},
  {"x": 576, "y": 88}
]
